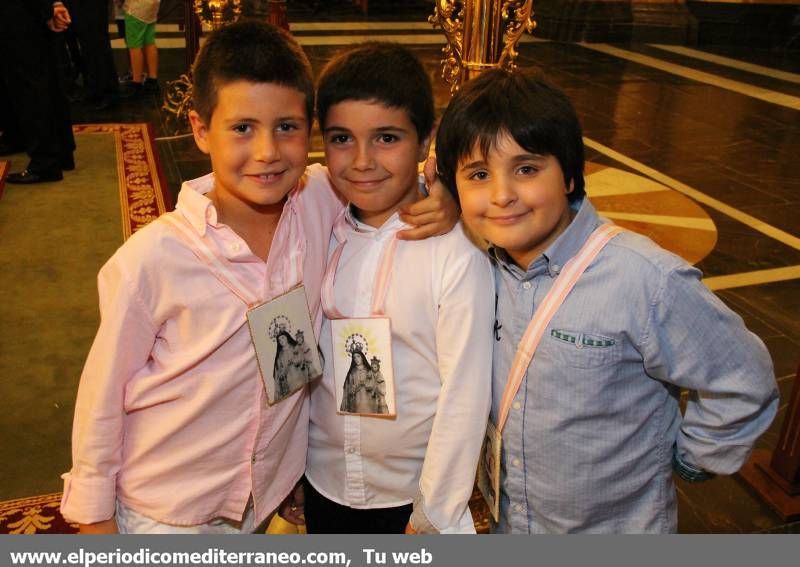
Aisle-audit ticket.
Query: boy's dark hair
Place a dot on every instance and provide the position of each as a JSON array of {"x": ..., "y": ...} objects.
[
  {"x": 382, "y": 72},
  {"x": 251, "y": 51},
  {"x": 538, "y": 116}
]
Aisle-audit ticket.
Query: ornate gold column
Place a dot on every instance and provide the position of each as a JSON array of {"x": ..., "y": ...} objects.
[{"x": 480, "y": 34}]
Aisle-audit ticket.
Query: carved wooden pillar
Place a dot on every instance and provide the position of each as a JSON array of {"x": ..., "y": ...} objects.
[
  {"x": 191, "y": 31},
  {"x": 273, "y": 11},
  {"x": 277, "y": 14},
  {"x": 775, "y": 475}
]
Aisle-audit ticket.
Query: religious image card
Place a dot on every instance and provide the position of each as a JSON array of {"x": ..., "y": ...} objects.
[
  {"x": 488, "y": 478},
  {"x": 362, "y": 366},
  {"x": 286, "y": 348}
]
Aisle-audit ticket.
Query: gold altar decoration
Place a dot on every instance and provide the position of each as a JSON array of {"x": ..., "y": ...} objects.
[
  {"x": 217, "y": 13},
  {"x": 480, "y": 34},
  {"x": 178, "y": 94}
]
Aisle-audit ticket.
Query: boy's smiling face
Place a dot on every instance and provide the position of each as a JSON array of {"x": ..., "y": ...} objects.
[
  {"x": 373, "y": 153},
  {"x": 514, "y": 199},
  {"x": 257, "y": 139}
]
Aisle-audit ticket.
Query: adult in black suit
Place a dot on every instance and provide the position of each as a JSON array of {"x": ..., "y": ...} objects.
[
  {"x": 10, "y": 135},
  {"x": 90, "y": 24},
  {"x": 29, "y": 51}
]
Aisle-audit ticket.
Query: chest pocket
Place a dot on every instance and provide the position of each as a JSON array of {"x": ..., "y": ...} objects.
[{"x": 580, "y": 349}]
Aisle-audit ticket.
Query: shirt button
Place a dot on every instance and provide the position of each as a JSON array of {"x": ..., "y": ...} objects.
[
  {"x": 556, "y": 268},
  {"x": 253, "y": 459},
  {"x": 517, "y": 405},
  {"x": 515, "y": 462},
  {"x": 518, "y": 507},
  {"x": 235, "y": 246},
  {"x": 351, "y": 450},
  {"x": 526, "y": 285}
]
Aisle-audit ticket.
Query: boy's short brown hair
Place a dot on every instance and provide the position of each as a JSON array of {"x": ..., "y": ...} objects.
[
  {"x": 251, "y": 51},
  {"x": 382, "y": 72}
]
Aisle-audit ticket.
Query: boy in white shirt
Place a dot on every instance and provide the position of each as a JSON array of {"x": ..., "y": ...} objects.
[{"x": 414, "y": 470}]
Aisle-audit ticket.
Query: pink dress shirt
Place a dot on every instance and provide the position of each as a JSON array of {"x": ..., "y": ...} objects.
[{"x": 171, "y": 417}]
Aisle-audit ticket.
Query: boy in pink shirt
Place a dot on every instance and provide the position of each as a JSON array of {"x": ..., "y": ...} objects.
[{"x": 172, "y": 431}]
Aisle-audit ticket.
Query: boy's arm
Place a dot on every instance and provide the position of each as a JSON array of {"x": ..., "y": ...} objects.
[
  {"x": 122, "y": 346},
  {"x": 694, "y": 341},
  {"x": 435, "y": 215},
  {"x": 98, "y": 528},
  {"x": 464, "y": 349}
]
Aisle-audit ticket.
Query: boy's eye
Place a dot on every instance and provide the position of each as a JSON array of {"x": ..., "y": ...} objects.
[
  {"x": 479, "y": 175},
  {"x": 387, "y": 138},
  {"x": 287, "y": 127},
  {"x": 339, "y": 139},
  {"x": 527, "y": 169},
  {"x": 242, "y": 128}
]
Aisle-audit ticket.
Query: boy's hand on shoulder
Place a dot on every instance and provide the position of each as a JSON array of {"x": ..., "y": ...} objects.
[
  {"x": 435, "y": 215},
  {"x": 410, "y": 529},
  {"x": 104, "y": 527}
]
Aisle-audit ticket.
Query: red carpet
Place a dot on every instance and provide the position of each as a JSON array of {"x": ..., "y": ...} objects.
[
  {"x": 143, "y": 197},
  {"x": 34, "y": 515},
  {"x": 142, "y": 190}
]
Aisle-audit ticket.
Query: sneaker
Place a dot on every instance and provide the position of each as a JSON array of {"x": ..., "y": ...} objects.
[
  {"x": 131, "y": 89},
  {"x": 150, "y": 85},
  {"x": 128, "y": 77}
]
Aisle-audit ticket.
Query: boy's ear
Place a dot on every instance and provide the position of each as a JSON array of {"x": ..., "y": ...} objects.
[
  {"x": 571, "y": 187},
  {"x": 425, "y": 146},
  {"x": 200, "y": 131}
]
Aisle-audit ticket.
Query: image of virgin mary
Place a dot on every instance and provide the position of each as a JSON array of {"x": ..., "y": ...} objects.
[
  {"x": 359, "y": 386},
  {"x": 286, "y": 372}
]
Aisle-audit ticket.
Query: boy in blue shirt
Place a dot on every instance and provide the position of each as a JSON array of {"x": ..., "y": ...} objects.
[{"x": 594, "y": 430}]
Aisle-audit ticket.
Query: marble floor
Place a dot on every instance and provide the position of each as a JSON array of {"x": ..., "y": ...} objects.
[{"x": 698, "y": 148}]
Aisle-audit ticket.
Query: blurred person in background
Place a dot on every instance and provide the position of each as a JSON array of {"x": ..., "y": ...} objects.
[{"x": 30, "y": 43}]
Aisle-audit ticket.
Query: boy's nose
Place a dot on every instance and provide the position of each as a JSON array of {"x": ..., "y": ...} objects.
[
  {"x": 266, "y": 149},
  {"x": 503, "y": 193},
  {"x": 363, "y": 157}
]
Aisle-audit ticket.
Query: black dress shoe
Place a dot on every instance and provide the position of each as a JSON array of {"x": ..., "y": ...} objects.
[
  {"x": 150, "y": 85},
  {"x": 28, "y": 177},
  {"x": 67, "y": 163}
]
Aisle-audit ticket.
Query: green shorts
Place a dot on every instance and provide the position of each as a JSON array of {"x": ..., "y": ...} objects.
[{"x": 137, "y": 33}]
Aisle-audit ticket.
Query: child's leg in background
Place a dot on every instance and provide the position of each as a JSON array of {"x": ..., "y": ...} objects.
[
  {"x": 151, "y": 58},
  {"x": 135, "y": 31}
]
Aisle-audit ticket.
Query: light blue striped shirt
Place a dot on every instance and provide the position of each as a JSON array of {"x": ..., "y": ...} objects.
[{"x": 590, "y": 437}]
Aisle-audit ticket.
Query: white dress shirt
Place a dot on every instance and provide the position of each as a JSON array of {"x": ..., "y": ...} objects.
[{"x": 441, "y": 304}]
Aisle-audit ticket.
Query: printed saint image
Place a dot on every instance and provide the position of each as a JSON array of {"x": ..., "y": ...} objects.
[
  {"x": 360, "y": 370},
  {"x": 286, "y": 349},
  {"x": 292, "y": 368}
]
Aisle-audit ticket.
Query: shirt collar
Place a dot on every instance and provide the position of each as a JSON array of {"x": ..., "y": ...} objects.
[
  {"x": 559, "y": 252},
  {"x": 195, "y": 206},
  {"x": 392, "y": 224},
  {"x": 200, "y": 211}
]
